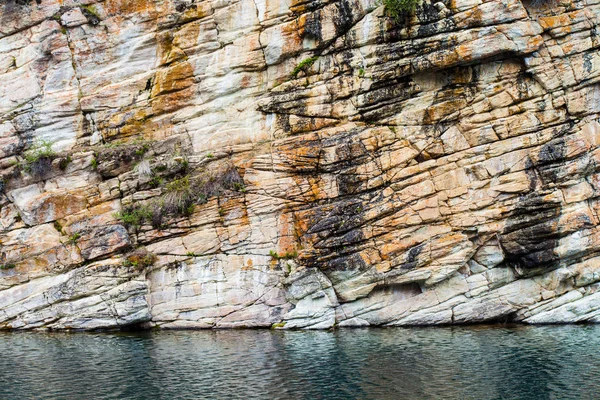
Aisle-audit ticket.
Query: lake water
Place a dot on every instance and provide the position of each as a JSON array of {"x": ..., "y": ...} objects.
[{"x": 477, "y": 362}]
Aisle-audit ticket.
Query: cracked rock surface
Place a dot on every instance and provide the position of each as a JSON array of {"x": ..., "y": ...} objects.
[{"x": 302, "y": 164}]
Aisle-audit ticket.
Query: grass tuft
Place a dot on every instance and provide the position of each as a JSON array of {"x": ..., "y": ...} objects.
[
  {"x": 180, "y": 197},
  {"x": 74, "y": 238},
  {"x": 398, "y": 9},
  {"x": 139, "y": 259},
  {"x": 38, "y": 159},
  {"x": 290, "y": 255},
  {"x": 303, "y": 66}
]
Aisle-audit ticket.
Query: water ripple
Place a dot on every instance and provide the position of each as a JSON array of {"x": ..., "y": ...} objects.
[{"x": 480, "y": 362}]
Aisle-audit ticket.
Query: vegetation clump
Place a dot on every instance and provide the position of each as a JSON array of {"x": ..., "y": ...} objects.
[
  {"x": 303, "y": 66},
  {"x": 74, "y": 238},
  {"x": 38, "y": 159},
  {"x": 90, "y": 13},
  {"x": 398, "y": 9},
  {"x": 58, "y": 227},
  {"x": 278, "y": 325},
  {"x": 139, "y": 259},
  {"x": 289, "y": 255},
  {"x": 64, "y": 162},
  {"x": 180, "y": 197},
  {"x": 215, "y": 184},
  {"x": 7, "y": 266},
  {"x": 134, "y": 215},
  {"x": 113, "y": 159},
  {"x": 178, "y": 200}
]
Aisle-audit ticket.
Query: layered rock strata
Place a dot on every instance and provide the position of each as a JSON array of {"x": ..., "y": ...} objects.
[{"x": 438, "y": 169}]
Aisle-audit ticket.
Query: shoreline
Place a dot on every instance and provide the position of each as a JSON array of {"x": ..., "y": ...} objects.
[{"x": 483, "y": 325}]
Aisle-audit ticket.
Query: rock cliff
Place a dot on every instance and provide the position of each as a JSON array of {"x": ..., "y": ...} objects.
[{"x": 298, "y": 164}]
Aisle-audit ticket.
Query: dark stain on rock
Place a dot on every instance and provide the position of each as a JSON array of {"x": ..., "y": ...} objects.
[
  {"x": 348, "y": 183},
  {"x": 385, "y": 99},
  {"x": 344, "y": 19},
  {"x": 402, "y": 290},
  {"x": 282, "y": 121},
  {"x": 531, "y": 175},
  {"x": 336, "y": 235},
  {"x": 411, "y": 258},
  {"x": 26, "y": 2},
  {"x": 587, "y": 63},
  {"x": 312, "y": 26},
  {"x": 553, "y": 151},
  {"x": 351, "y": 262},
  {"x": 184, "y": 5},
  {"x": 431, "y": 21},
  {"x": 351, "y": 154},
  {"x": 548, "y": 156},
  {"x": 530, "y": 237},
  {"x": 345, "y": 216},
  {"x": 532, "y": 231},
  {"x": 426, "y": 30}
]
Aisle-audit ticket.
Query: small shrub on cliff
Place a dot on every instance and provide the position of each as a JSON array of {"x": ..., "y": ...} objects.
[
  {"x": 303, "y": 66},
  {"x": 114, "y": 158},
  {"x": 7, "y": 266},
  {"x": 230, "y": 179},
  {"x": 290, "y": 255},
  {"x": 214, "y": 184},
  {"x": 181, "y": 195},
  {"x": 91, "y": 14},
  {"x": 74, "y": 238},
  {"x": 38, "y": 159},
  {"x": 397, "y": 9},
  {"x": 58, "y": 227},
  {"x": 134, "y": 215},
  {"x": 64, "y": 162},
  {"x": 139, "y": 259},
  {"x": 143, "y": 169}
]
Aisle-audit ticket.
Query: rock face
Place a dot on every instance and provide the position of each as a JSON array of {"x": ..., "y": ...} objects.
[{"x": 298, "y": 164}]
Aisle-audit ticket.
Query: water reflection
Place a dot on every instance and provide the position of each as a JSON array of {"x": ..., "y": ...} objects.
[{"x": 520, "y": 362}]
